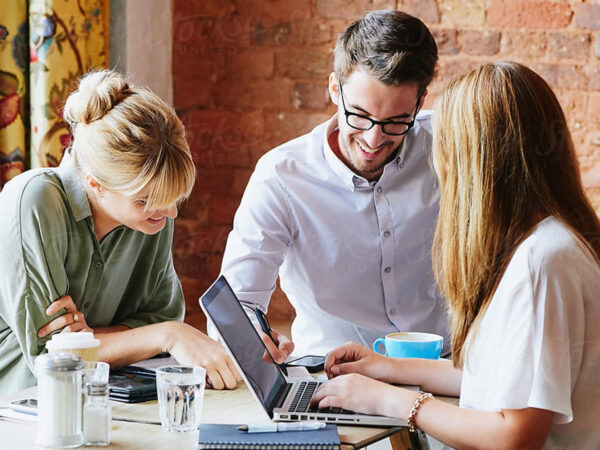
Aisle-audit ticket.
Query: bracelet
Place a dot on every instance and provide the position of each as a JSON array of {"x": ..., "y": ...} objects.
[{"x": 415, "y": 409}]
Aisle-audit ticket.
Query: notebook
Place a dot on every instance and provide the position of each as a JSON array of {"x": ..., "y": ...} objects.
[
  {"x": 216, "y": 437},
  {"x": 281, "y": 399}
]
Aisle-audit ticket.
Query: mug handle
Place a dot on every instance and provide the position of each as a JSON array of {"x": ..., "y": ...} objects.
[{"x": 377, "y": 343}]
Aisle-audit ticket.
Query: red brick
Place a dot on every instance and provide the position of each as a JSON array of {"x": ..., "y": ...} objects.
[
  {"x": 201, "y": 123},
  {"x": 571, "y": 77},
  {"x": 343, "y": 9},
  {"x": 222, "y": 209},
  {"x": 528, "y": 14},
  {"x": 286, "y": 126},
  {"x": 189, "y": 92},
  {"x": 426, "y": 10},
  {"x": 311, "y": 33},
  {"x": 203, "y": 240},
  {"x": 587, "y": 16},
  {"x": 311, "y": 96},
  {"x": 474, "y": 42},
  {"x": 277, "y": 10},
  {"x": 448, "y": 70},
  {"x": 314, "y": 63},
  {"x": 574, "y": 106},
  {"x": 446, "y": 41},
  {"x": 272, "y": 34},
  {"x": 460, "y": 14},
  {"x": 590, "y": 168},
  {"x": 530, "y": 44},
  {"x": 240, "y": 181},
  {"x": 271, "y": 94},
  {"x": 563, "y": 45},
  {"x": 209, "y": 8},
  {"x": 216, "y": 181},
  {"x": 193, "y": 212},
  {"x": 212, "y": 32},
  {"x": 593, "y": 75},
  {"x": 594, "y": 107},
  {"x": 250, "y": 64}
]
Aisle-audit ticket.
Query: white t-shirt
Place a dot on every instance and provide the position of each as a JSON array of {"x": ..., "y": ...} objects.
[{"x": 538, "y": 344}]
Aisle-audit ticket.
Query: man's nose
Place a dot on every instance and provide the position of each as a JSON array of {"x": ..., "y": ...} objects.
[{"x": 374, "y": 137}]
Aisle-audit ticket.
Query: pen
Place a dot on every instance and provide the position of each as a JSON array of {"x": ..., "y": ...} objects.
[
  {"x": 272, "y": 427},
  {"x": 266, "y": 327}
]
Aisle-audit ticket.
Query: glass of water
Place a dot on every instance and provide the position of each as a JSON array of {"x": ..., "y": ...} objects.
[{"x": 180, "y": 393}]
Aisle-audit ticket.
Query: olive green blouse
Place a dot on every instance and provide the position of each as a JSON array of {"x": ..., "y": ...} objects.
[{"x": 48, "y": 249}]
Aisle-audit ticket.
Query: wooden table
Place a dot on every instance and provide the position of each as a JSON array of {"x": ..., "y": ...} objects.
[{"x": 236, "y": 406}]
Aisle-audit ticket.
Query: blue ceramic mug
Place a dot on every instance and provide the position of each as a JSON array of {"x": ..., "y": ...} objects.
[{"x": 410, "y": 345}]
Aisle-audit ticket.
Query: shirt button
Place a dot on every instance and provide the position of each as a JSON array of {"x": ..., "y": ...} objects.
[
  {"x": 393, "y": 311},
  {"x": 387, "y": 269},
  {"x": 379, "y": 189},
  {"x": 386, "y": 234},
  {"x": 98, "y": 265}
]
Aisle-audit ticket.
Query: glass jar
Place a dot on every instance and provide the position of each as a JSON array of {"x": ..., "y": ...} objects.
[
  {"x": 96, "y": 414},
  {"x": 59, "y": 400}
]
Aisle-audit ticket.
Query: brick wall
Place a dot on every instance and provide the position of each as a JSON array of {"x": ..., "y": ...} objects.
[{"x": 251, "y": 74}]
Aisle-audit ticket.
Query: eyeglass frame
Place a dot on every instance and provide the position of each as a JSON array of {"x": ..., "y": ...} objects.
[{"x": 382, "y": 124}]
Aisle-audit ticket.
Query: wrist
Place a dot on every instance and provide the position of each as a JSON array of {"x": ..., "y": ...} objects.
[{"x": 168, "y": 336}]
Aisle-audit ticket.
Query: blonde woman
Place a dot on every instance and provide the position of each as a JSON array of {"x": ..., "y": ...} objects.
[
  {"x": 516, "y": 255},
  {"x": 88, "y": 245}
]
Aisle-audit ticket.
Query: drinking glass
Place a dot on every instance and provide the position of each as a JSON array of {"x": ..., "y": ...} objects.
[{"x": 180, "y": 393}]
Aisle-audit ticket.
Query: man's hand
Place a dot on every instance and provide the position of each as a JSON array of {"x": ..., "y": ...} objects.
[
  {"x": 354, "y": 358},
  {"x": 71, "y": 320},
  {"x": 189, "y": 346},
  {"x": 280, "y": 349}
]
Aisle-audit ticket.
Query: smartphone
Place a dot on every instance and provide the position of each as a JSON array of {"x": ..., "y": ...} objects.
[
  {"x": 27, "y": 406},
  {"x": 312, "y": 363}
]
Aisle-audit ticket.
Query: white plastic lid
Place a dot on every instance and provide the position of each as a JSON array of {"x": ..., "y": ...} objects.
[{"x": 81, "y": 339}]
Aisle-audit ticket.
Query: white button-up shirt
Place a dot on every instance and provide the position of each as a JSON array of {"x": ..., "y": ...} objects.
[{"x": 353, "y": 256}]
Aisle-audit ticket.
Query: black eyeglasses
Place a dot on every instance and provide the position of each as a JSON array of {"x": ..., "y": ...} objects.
[{"x": 364, "y": 123}]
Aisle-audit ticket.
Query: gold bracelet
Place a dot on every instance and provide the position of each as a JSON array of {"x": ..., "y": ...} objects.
[{"x": 415, "y": 409}]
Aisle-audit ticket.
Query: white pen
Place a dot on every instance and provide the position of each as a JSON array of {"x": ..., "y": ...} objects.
[{"x": 272, "y": 427}]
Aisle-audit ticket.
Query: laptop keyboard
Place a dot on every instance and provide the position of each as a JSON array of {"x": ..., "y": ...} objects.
[{"x": 301, "y": 402}]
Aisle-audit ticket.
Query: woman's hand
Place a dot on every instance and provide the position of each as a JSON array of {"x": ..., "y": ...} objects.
[
  {"x": 189, "y": 346},
  {"x": 354, "y": 358},
  {"x": 357, "y": 393},
  {"x": 71, "y": 320}
]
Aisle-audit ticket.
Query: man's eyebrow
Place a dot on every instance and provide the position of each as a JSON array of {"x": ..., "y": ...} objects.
[{"x": 367, "y": 113}]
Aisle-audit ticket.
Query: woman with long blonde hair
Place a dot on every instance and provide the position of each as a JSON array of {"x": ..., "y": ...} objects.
[
  {"x": 87, "y": 246},
  {"x": 516, "y": 255}
]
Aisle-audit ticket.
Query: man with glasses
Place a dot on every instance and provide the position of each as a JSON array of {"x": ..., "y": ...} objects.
[{"x": 345, "y": 214}]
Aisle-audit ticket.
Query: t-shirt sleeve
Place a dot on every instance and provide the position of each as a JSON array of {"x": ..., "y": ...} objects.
[
  {"x": 165, "y": 302},
  {"x": 34, "y": 245},
  {"x": 537, "y": 351}
]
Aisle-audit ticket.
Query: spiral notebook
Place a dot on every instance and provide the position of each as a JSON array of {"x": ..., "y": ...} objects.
[{"x": 217, "y": 437}]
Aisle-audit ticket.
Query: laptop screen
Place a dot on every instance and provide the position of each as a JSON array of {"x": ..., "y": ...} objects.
[{"x": 226, "y": 312}]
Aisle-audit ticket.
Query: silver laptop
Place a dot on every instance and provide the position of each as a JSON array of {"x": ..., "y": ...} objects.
[{"x": 282, "y": 400}]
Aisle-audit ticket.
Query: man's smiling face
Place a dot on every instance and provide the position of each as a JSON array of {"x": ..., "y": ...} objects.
[{"x": 367, "y": 152}]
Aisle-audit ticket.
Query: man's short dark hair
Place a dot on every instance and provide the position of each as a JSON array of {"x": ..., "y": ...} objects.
[{"x": 390, "y": 45}]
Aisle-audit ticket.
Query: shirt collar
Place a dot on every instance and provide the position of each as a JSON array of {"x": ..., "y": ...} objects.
[
  {"x": 71, "y": 181},
  {"x": 348, "y": 177}
]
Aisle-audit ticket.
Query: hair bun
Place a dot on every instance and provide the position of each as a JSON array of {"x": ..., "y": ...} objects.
[{"x": 97, "y": 93}]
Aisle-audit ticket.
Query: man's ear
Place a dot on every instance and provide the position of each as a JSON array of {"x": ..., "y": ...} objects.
[
  {"x": 334, "y": 88},
  {"x": 93, "y": 185}
]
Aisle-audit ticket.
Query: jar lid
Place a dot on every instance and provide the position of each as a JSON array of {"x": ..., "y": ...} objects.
[{"x": 60, "y": 362}]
